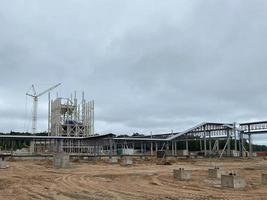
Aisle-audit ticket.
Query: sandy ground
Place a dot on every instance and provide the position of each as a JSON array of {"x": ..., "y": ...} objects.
[{"x": 144, "y": 180}]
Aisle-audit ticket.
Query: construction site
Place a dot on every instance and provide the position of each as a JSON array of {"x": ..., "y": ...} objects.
[{"x": 208, "y": 161}]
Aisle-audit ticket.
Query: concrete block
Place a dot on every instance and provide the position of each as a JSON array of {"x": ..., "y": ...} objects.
[
  {"x": 32, "y": 147},
  {"x": 264, "y": 178},
  {"x": 233, "y": 181},
  {"x": 61, "y": 160},
  {"x": 127, "y": 161},
  {"x": 182, "y": 153},
  {"x": 216, "y": 172},
  {"x": 182, "y": 174},
  {"x": 142, "y": 157},
  {"x": 3, "y": 165},
  {"x": 113, "y": 160}
]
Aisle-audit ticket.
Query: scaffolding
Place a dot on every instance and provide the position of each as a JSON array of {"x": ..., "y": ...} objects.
[{"x": 68, "y": 118}]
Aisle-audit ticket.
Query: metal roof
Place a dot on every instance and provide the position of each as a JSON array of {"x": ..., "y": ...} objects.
[
  {"x": 175, "y": 135},
  {"x": 54, "y": 137}
]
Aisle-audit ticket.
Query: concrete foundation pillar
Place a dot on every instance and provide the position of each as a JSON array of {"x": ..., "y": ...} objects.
[
  {"x": 113, "y": 160},
  {"x": 61, "y": 160},
  {"x": 32, "y": 145},
  {"x": 127, "y": 161},
  {"x": 181, "y": 174},
  {"x": 3, "y": 164},
  {"x": 264, "y": 178},
  {"x": 216, "y": 172},
  {"x": 233, "y": 181},
  {"x": 183, "y": 152}
]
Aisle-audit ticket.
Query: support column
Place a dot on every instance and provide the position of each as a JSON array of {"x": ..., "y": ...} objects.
[
  {"x": 241, "y": 144},
  {"x": 235, "y": 136},
  {"x": 110, "y": 148},
  {"x": 172, "y": 148},
  {"x": 32, "y": 146},
  {"x": 229, "y": 143},
  {"x": 12, "y": 149},
  {"x": 205, "y": 142},
  {"x": 145, "y": 148},
  {"x": 250, "y": 146},
  {"x": 209, "y": 143},
  {"x": 115, "y": 148},
  {"x": 151, "y": 148},
  {"x": 151, "y": 144},
  {"x": 175, "y": 148}
]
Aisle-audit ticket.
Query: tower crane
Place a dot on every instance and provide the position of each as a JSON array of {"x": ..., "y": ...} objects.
[{"x": 35, "y": 97}]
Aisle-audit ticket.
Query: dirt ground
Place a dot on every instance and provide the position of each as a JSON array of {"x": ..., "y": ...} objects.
[{"x": 36, "y": 179}]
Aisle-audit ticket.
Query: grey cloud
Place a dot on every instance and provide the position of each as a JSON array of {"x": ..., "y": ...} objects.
[{"x": 150, "y": 66}]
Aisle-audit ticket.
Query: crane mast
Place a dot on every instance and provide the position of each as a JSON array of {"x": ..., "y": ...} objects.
[{"x": 35, "y": 97}]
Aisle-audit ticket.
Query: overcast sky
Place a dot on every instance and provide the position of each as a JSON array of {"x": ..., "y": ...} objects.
[{"x": 149, "y": 65}]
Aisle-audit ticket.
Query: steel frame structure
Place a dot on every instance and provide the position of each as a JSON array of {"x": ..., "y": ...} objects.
[
  {"x": 209, "y": 136},
  {"x": 68, "y": 118},
  {"x": 250, "y": 129},
  {"x": 205, "y": 133}
]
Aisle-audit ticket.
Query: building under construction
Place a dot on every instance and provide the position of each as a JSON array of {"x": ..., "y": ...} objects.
[
  {"x": 69, "y": 118},
  {"x": 211, "y": 139},
  {"x": 71, "y": 130}
]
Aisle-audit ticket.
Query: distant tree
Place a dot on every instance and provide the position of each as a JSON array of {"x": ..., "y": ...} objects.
[
  {"x": 41, "y": 134},
  {"x": 137, "y": 134},
  {"x": 121, "y": 136}
]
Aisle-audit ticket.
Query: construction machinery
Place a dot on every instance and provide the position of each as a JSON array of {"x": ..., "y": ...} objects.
[{"x": 35, "y": 97}]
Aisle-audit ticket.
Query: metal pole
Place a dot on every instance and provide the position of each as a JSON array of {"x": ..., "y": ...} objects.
[
  {"x": 151, "y": 145},
  {"x": 229, "y": 143},
  {"x": 241, "y": 144},
  {"x": 205, "y": 142},
  {"x": 175, "y": 148},
  {"x": 49, "y": 114},
  {"x": 110, "y": 148},
  {"x": 235, "y": 136},
  {"x": 250, "y": 142},
  {"x": 186, "y": 145},
  {"x": 172, "y": 148},
  {"x": 250, "y": 145},
  {"x": 209, "y": 142}
]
